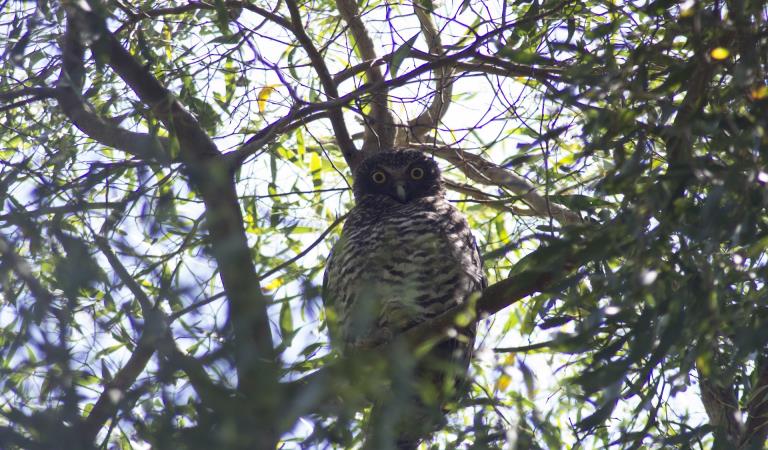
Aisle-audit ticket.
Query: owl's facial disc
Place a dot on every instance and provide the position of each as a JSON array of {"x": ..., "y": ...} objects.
[{"x": 403, "y": 176}]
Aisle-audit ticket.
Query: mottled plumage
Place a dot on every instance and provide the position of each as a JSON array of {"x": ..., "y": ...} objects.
[{"x": 405, "y": 256}]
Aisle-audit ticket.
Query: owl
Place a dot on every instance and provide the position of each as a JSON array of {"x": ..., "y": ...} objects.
[{"x": 405, "y": 256}]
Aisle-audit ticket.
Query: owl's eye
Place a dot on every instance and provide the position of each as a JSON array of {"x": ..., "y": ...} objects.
[
  {"x": 379, "y": 177},
  {"x": 417, "y": 173}
]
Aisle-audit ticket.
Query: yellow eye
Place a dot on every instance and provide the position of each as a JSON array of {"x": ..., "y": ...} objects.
[
  {"x": 379, "y": 177},
  {"x": 417, "y": 173}
]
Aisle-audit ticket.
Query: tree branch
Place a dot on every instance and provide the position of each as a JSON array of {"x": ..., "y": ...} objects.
[
  {"x": 380, "y": 128},
  {"x": 32, "y": 94},
  {"x": 155, "y": 334},
  {"x": 44, "y": 299},
  {"x": 336, "y": 115},
  {"x": 721, "y": 406},
  {"x": 37, "y": 92},
  {"x": 255, "y": 357},
  {"x": 429, "y": 119},
  {"x": 315, "y": 110},
  {"x": 485, "y": 172},
  {"x": 481, "y": 197},
  {"x": 67, "y": 93},
  {"x": 475, "y": 62}
]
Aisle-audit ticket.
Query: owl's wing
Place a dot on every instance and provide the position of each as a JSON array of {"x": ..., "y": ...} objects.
[
  {"x": 324, "y": 288},
  {"x": 328, "y": 294},
  {"x": 481, "y": 281}
]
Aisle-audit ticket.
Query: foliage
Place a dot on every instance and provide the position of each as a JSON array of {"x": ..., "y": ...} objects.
[{"x": 173, "y": 174}]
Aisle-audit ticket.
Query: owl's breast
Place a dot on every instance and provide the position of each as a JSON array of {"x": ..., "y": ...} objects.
[{"x": 398, "y": 271}]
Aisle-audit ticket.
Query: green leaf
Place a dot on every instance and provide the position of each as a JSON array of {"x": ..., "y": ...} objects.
[
  {"x": 523, "y": 56},
  {"x": 598, "y": 417},
  {"x": 286, "y": 320},
  {"x": 222, "y": 16},
  {"x": 400, "y": 54}
]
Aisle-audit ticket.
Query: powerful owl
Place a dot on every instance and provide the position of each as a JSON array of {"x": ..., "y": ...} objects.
[{"x": 405, "y": 256}]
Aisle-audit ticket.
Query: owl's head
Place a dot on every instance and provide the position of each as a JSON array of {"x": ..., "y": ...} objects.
[{"x": 403, "y": 175}]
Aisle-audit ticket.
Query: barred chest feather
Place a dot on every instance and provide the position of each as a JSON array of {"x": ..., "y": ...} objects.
[{"x": 397, "y": 265}]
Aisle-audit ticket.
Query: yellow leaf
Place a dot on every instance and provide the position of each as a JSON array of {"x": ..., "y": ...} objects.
[
  {"x": 167, "y": 38},
  {"x": 702, "y": 363},
  {"x": 274, "y": 284},
  {"x": 759, "y": 93},
  {"x": 502, "y": 384},
  {"x": 315, "y": 167},
  {"x": 264, "y": 94},
  {"x": 719, "y": 53}
]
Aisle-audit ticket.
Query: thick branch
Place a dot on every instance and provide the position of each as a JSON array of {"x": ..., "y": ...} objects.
[
  {"x": 68, "y": 94},
  {"x": 721, "y": 406},
  {"x": 37, "y": 92},
  {"x": 32, "y": 95},
  {"x": 380, "y": 128},
  {"x": 336, "y": 115},
  {"x": 168, "y": 109},
  {"x": 253, "y": 345},
  {"x": 141, "y": 145},
  {"x": 429, "y": 119}
]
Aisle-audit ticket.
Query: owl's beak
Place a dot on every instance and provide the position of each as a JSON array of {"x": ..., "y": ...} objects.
[{"x": 402, "y": 194}]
